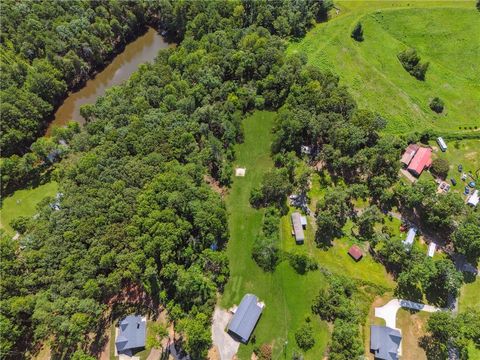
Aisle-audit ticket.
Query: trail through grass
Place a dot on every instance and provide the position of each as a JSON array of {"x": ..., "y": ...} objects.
[{"x": 445, "y": 33}]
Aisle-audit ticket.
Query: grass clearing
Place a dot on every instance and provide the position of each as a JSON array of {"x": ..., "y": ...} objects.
[
  {"x": 23, "y": 203},
  {"x": 469, "y": 296},
  {"x": 287, "y": 295},
  {"x": 444, "y": 33},
  {"x": 413, "y": 327}
]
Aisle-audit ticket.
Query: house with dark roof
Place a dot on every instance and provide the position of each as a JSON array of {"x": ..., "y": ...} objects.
[
  {"x": 385, "y": 342},
  {"x": 131, "y": 335},
  {"x": 298, "y": 228},
  {"x": 245, "y": 318},
  {"x": 355, "y": 252},
  {"x": 421, "y": 161}
]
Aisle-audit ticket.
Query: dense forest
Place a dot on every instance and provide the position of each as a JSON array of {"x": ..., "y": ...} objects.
[{"x": 134, "y": 210}]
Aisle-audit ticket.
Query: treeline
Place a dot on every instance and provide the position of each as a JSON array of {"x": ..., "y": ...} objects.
[{"x": 135, "y": 211}]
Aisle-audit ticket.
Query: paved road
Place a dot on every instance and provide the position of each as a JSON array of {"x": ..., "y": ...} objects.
[{"x": 388, "y": 312}]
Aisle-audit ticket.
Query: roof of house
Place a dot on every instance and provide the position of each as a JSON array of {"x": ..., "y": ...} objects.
[
  {"x": 421, "y": 160},
  {"x": 246, "y": 316},
  {"x": 409, "y": 153},
  {"x": 297, "y": 227},
  {"x": 131, "y": 333},
  {"x": 473, "y": 199},
  {"x": 355, "y": 252},
  {"x": 410, "y": 236},
  {"x": 384, "y": 342}
]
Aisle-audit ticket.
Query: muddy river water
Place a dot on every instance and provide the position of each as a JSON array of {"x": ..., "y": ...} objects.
[{"x": 143, "y": 49}]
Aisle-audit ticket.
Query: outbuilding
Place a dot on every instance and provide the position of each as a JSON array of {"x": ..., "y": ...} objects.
[
  {"x": 441, "y": 143},
  {"x": 298, "y": 228},
  {"x": 473, "y": 199},
  {"x": 355, "y": 253},
  {"x": 410, "y": 236},
  {"x": 245, "y": 318}
]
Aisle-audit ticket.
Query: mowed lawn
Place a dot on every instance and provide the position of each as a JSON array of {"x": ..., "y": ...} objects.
[
  {"x": 23, "y": 203},
  {"x": 444, "y": 33},
  {"x": 288, "y": 296},
  {"x": 470, "y": 298}
]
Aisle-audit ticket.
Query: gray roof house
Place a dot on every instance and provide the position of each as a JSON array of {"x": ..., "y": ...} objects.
[
  {"x": 131, "y": 335},
  {"x": 245, "y": 318},
  {"x": 384, "y": 342},
  {"x": 298, "y": 228}
]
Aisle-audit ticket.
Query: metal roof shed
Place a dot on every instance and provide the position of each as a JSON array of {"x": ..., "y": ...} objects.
[
  {"x": 298, "y": 228},
  {"x": 410, "y": 236},
  {"x": 245, "y": 318}
]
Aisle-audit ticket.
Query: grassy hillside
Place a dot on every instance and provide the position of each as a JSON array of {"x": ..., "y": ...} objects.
[
  {"x": 23, "y": 203},
  {"x": 443, "y": 33}
]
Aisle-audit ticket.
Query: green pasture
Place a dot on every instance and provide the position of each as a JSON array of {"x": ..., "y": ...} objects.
[{"x": 444, "y": 33}]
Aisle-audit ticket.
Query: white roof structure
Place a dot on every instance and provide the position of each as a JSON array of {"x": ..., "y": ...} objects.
[
  {"x": 410, "y": 236},
  {"x": 240, "y": 171},
  {"x": 303, "y": 220},
  {"x": 473, "y": 199},
  {"x": 442, "y": 144},
  {"x": 431, "y": 249}
]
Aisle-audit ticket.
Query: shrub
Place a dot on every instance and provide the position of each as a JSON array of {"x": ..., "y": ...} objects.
[
  {"x": 357, "y": 32},
  {"x": 20, "y": 224},
  {"x": 304, "y": 337},
  {"x": 263, "y": 352},
  {"x": 265, "y": 252},
  {"x": 411, "y": 62},
  {"x": 440, "y": 168},
  {"x": 302, "y": 263},
  {"x": 437, "y": 105}
]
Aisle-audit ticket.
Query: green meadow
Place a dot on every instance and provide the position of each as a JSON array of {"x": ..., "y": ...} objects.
[
  {"x": 444, "y": 33},
  {"x": 23, "y": 203}
]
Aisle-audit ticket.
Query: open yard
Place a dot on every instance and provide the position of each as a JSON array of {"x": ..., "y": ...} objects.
[
  {"x": 287, "y": 295},
  {"x": 444, "y": 33},
  {"x": 23, "y": 203},
  {"x": 413, "y": 327}
]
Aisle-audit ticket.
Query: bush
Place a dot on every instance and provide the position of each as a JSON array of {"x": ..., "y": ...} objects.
[
  {"x": 357, "y": 32},
  {"x": 411, "y": 62},
  {"x": 265, "y": 252},
  {"x": 20, "y": 224},
  {"x": 263, "y": 352},
  {"x": 437, "y": 105},
  {"x": 302, "y": 263},
  {"x": 304, "y": 337},
  {"x": 440, "y": 168}
]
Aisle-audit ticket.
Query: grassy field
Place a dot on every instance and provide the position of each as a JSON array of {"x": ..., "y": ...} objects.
[
  {"x": 287, "y": 295},
  {"x": 444, "y": 33},
  {"x": 469, "y": 296},
  {"x": 465, "y": 153},
  {"x": 23, "y": 203}
]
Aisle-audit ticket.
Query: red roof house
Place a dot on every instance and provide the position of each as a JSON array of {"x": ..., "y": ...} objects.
[
  {"x": 421, "y": 161},
  {"x": 409, "y": 153},
  {"x": 355, "y": 253}
]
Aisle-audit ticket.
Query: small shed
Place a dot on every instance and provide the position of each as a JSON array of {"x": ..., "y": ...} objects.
[
  {"x": 355, "y": 253},
  {"x": 245, "y": 318},
  {"x": 473, "y": 199},
  {"x": 410, "y": 236},
  {"x": 441, "y": 143},
  {"x": 306, "y": 149},
  {"x": 431, "y": 249},
  {"x": 298, "y": 228}
]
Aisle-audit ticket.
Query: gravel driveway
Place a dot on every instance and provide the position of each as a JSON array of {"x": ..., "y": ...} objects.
[{"x": 227, "y": 347}]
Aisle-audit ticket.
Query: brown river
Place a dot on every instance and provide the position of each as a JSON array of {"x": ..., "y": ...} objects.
[{"x": 143, "y": 49}]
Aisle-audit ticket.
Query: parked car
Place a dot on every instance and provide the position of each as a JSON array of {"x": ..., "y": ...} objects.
[
  {"x": 471, "y": 184},
  {"x": 467, "y": 191},
  {"x": 460, "y": 168},
  {"x": 442, "y": 185},
  {"x": 453, "y": 181},
  {"x": 447, "y": 188},
  {"x": 464, "y": 177}
]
